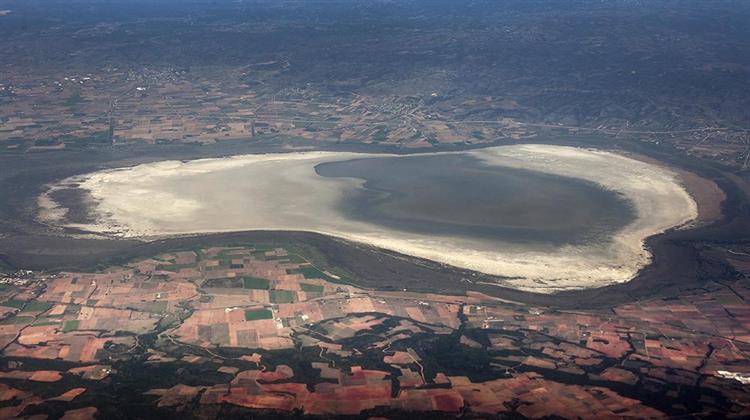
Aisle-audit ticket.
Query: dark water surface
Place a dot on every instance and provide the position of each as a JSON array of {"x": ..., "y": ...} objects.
[{"x": 461, "y": 195}]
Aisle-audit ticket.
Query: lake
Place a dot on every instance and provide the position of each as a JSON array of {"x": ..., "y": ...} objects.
[{"x": 545, "y": 218}]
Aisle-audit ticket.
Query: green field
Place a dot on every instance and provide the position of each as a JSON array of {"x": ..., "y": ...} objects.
[
  {"x": 256, "y": 314},
  {"x": 174, "y": 267},
  {"x": 169, "y": 320},
  {"x": 17, "y": 320},
  {"x": 311, "y": 288},
  {"x": 13, "y": 303},
  {"x": 296, "y": 259},
  {"x": 36, "y": 306},
  {"x": 72, "y": 325},
  {"x": 156, "y": 307},
  {"x": 46, "y": 323},
  {"x": 282, "y": 296},
  {"x": 264, "y": 247},
  {"x": 255, "y": 283},
  {"x": 311, "y": 272}
]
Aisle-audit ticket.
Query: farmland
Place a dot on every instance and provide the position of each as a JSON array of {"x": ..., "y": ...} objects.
[
  {"x": 328, "y": 347},
  {"x": 481, "y": 76}
]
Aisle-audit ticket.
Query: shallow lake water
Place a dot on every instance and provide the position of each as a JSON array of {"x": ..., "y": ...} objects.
[{"x": 461, "y": 195}]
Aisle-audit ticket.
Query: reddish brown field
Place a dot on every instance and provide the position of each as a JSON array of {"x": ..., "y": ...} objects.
[
  {"x": 36, "y": 376},
  {"x": 70, "y": 395},
  {"x": 86, "y": 413}
]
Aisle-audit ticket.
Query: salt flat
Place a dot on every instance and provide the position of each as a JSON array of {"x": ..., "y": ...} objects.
[{"x": 500, "y": 230}]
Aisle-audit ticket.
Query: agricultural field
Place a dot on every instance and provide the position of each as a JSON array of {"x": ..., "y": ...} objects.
[{"x": 328, "y": 347}]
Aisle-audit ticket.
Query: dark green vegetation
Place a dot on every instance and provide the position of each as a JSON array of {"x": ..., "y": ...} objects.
[
  {"x": 13, "y": 303},
  {"x": 253, "y": 315},
  {"x": 71, "y": 325},
  {"x": 36, "y": 306},
  {"x": 438, "y": 353},
  {"x": 311, "y": 272},
  {"x": 255, "y": 283}
]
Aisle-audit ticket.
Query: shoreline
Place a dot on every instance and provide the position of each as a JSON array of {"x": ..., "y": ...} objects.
[{"x": 708, "y": 196}]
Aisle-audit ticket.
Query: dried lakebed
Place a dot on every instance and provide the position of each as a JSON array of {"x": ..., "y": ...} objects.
[{"x": 545, "y": 218}]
